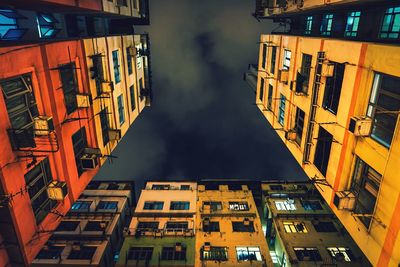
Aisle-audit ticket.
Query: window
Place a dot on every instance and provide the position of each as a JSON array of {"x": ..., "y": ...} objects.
[
  {"x": 83, "y": 253},
  {"x": 286, "y": 59},
  {"x": 172, "y": 254},
  {"x": 79, "y": 144},
  {"x": 129, "y": 60},
  {"x": 340, "y": 253},
  {"x": 309, "y": 20},
  {"x": 20, "y": 101},
  {"x": 214, "y": 254},
  {"x": 96, "y": 226},
  {"x": 248, "y": 254},
  {"x": 140, "y": 253},
  {"x": 299, "y": 124},
  {"x": 177, "y": 225},
  {"x": 365, "y": 183},
  {"x": 353, "y": 19},
  {"x": 307, "y": 254},
  {"x": 333, "y": 88},
  {"x": 214, "y": 205},
  {"x": 97, "y": 72},
  {"x": 285, "y": 205},
  {"x": 147, "y": 226},
  {"x": 132, "y": 95},
  {"x": 270, "y": 96},
  {"x": 295, "y": 227},
  {"x": 68, "y": 226},
  {"x": 261, "y": 96},
  {"x": 50, "y": 253},
  {"x": 243, "y": 226},
  {"x": 384, "y": 100},
  {"x": 391, "y": 23},
  {"x": 47, "y": 25},
  {"x": 264, "y": 55},
  {"x": 160, "y": 187},
  {"x": 303, "y": 77},
  {"x": 209, "y": 226},
  {"x": 81, "y": 205},
  {"x": 37, "y": 180},
  {"x": 281, "y": 116},
  {"x": 273, "y": 59},
  {"x": 276, "y": 187},
  {"x": 185, "y": 187},
  {"x": 311, "y": 204},
  {"x": 9, "y": 26},
  {"x": 121, "y": 110},
  {"x": 107, "y": 205},
  {"x": 69, "y": 85},
  {"x": 238, "y": 206},
  {"x": 325, "y": 227},
  {"x": 179, "y": 205},
  {"x": 105, "y": 126},
  {"x": 153, "y": 205},
  {"x": 235, "y": 187},
  {"x": 323, "y": 150},
  {"x": 326, "y": 24},
  {"x": 117, "y": 74}
]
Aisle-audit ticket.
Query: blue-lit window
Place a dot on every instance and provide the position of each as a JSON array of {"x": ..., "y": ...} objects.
[
  {"x": 121, "y": 111},
  {"x": 81, "y": 205},
  {"x": 117, "y": 75},
  {"x": 308, "y": 24},
  {"x": 47, "y": 25},
  {"x": 179, "y": 205},
  {"x": 107, "y": 205},
  {"x": 326, "y": 24},
  {"x": 153, "y": 205},
  {"x": 353, "y": 19},
  {"x": 391, "y": 23},
  {"x": 282, "y": 103},
  {"x": 129, "y": 60},
  {"x": 8, "y": 25}
]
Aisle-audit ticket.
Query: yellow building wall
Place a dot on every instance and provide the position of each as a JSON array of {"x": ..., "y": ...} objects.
[
  {"x": 131, "y": 9},
  {"x": 380, "y": 243}
]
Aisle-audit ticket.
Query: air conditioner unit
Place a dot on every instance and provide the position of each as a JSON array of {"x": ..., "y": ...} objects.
[
  {"x": 291, "y": 135},
  {"x": 207, "y": 246},
  {"x": 283, "y": 75},
  {"x": 57, "y": 190},
  {"x": 83, "y": 100},
  {"x": 107, "y": 87},
  {"x": 121, "y": 3},
  {"x": 299, "y": 227},
  {"x": 206, "y": 209},
  {"x": 206, "y": 221},
  {"x": 328, "y": 69},
  {"x": 43, "y": 125},
  {"x": 246, "y": 222},
  {"x": 344, "y": 200},
  {"x": 76, "y": 247},
  {"x": 360, "y": 126},
  {"x": 89, "y": 161},
  {"x": 114, "y": 134},
  {"x": 178, "y": 246},
  {"x": 132, "y": 50}
]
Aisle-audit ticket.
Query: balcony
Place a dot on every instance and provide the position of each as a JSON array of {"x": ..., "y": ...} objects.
[{"x": 151, "y": 232}]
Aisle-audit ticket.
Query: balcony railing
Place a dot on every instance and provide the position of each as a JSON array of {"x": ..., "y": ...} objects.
[{"x": 138, "y": 232}]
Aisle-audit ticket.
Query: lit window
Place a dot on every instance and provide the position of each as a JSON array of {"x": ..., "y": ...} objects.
[
  {"x": 117, "y": 74},
  {"x": 138, "y": 56},
  {"x": 295, "y": 227},
  {"x": 179, "y": 205},
  {"x": 153, "y": 205},
  {"x": 214, "y": 253},
  {"x": 47, "y": 25},
  {"x": 9, "y": 26},
  {"x": 309, "y": 20},
  {"x": 383, "y": 105},
  {"x": 326, "y": 24},
  {"x": 121, "y": 111},
  {"x": 248, "y": 254},
  {"x": 307, "y": 254},
  {"x": 353, "y": 19},
  {"x": 391, "y": 23},
  {"x": 282, "y": 103},
  {"x": 285, "y": 205},
  {"x": 340, "y": 253},
  {"x": 81, "y": 205},
  {"x": 238, "y": 206},
  {"x": 287, "y": 54},
  {"x": 107, "y": 205}
]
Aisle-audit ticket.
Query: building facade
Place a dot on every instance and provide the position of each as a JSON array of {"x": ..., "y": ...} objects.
[
  {"x": 91, "y": 233},
  {"x": 162, "y": 230},
  {"x": 301, "y": 229}
]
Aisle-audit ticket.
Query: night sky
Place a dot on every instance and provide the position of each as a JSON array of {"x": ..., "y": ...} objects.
[{"x": 203, "y": 122}]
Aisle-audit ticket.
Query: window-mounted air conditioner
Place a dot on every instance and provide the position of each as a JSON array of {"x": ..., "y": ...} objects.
[
  {"x": 328, "y": 69},
  {"x": 206, "y": 221},
  {"x": 360, "y": 126},
  {"x": 89, "y": 158},
  {"x": 291, "y": 135},
  {"x": 83, "y": 100},
  {"x": 207, "y": 246},
  {"x": 283, "y": 75},
  {"x": 178, "y": 246},
  {"x": 114, "y": 134},
  {"x": 344, "y": 200},
  {"x": 206, "y": 209},
  {"x": 107, "y": 87},
  {"x": 246, "y": 222},
  {"x": 132, "y": 51},
  {"x": 43, "y": 125},
  {"x": 57, "y": 190}
]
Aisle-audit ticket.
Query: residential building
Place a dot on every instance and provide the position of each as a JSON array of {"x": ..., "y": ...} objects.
[
  {"x": 91, "y": 233},
  {"x": 229, "y": 230},
  {"x": 335, "y": 105},
  {"x": 162, "y": 230},
  {"x": 301, "y": 229}
]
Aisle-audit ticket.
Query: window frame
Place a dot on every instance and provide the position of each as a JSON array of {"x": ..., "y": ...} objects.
[
  {"x": 69, "y": 86},
  {"x": 179, "y": 205},
  {"x": 309, "y": 22},
  {"x": 394, "y": 13},
  {"x": 326, "y": 24},
  {"x": 116, "y": 66},
  {"x": 121, "y": 109},
  {"x": 153, "y": 205},
  {"x": 287, "y": 55},
  {"x": 282, "y": 107},
  {"x": 253, "y": 251},
  {"x": 299, "y": 125},
  {"x": 352, "y": 24},
  {"x": 79, "y": 143}
]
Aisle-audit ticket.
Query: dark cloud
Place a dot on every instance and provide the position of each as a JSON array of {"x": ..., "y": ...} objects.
[{"x": 203, "y": 123}]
